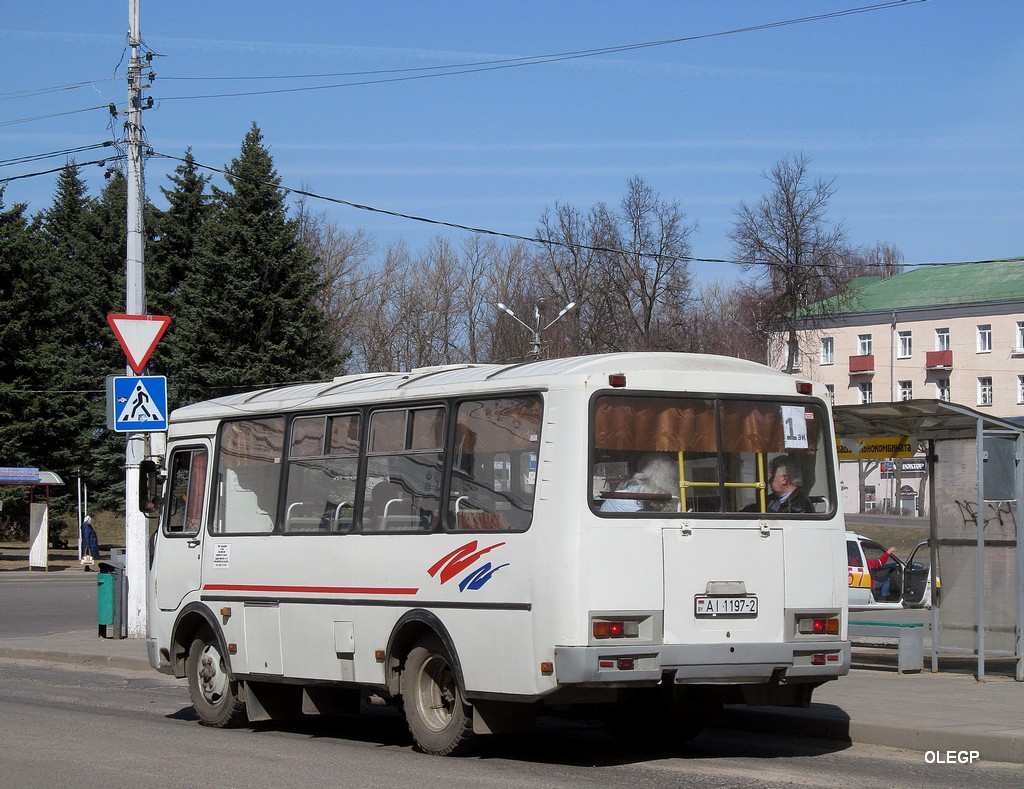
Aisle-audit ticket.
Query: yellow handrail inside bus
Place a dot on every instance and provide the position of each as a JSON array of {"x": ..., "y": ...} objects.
[{"x": 759, "y": 485}]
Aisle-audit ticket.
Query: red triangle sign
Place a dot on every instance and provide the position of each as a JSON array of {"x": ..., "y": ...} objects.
[{"x": 138, "y": 335}]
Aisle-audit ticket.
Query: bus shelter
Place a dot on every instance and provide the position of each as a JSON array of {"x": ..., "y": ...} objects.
[
  {"x": 39, "y": 511},
  {"x": 975, "y": 484}
]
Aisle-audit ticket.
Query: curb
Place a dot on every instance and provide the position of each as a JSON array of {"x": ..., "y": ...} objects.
[
  {"x": 825, "y": 722},
  {"x": 77, "y": 658}
]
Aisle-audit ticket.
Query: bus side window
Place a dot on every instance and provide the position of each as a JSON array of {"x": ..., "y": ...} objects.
[
  {"x": 249, "y": 475},
  {"x": 323, "y": 461},
  {"x": 405, "y": 454},
  {"x": 187, "y": 492},
  {"x": 494, "y": 464}
]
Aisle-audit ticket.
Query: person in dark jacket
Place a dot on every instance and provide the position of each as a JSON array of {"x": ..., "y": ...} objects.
[
  {"x": 785, "y": 480},
  {"x": 90, "y": 543}
]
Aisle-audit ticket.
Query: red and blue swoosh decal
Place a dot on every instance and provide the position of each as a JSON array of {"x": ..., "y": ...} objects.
[{"x": 449, "y": 566}]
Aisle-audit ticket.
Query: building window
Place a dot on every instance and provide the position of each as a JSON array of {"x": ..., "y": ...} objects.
[
  {"x": 984, "y": 391},
  {"x": 906, "y": 390},
  {"x": 942, "y": 339},
  {"x": 830, "y": 388},
  {"x": 942, "y": 388},
  {"x": 864, "y": 344},
  {"x": 1020, "y": 388},
  {"x": 865, "y": 392},
  {"x": 985, "y": 338},
  {"x": 906, "y": 345},
  {"x": 1020, "y": 336},
  {"x": 828, "y": 350}
]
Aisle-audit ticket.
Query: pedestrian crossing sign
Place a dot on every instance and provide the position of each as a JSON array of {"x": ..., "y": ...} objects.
[{"x": 137, "y": 404}]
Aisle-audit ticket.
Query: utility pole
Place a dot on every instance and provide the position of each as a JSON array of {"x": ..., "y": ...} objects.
[{"x": 136, "y": 544}]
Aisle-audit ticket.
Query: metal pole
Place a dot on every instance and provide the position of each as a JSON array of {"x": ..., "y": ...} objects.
[
  {"x": 135, "y": 304},
  {"x": 1018, "y": 550},
  {"x": 980, "y": 439},
  {"x": 933, "y": 551}
]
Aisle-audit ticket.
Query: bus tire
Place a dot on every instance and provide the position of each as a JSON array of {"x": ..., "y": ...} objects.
[
  {"x": 440, "y": 721},
  {"x": 213, "y": 690}
]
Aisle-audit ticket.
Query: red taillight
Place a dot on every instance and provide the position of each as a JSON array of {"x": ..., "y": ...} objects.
[
  {"x": 818, "y": 659},
  {"x": 804, "y": 387},
  {"x": 617, "y": 380},
  {"x": 615, "y": 628},
  {"x": 819, "y": 626},
  {"x": 625, "y": 664},
  {"x": 609, "y": 629}
]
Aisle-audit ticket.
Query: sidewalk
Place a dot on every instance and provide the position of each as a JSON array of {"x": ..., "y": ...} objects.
[{"x": 925, "y": 712}]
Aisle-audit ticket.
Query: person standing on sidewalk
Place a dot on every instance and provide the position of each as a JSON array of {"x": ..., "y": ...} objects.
[{"x": 90, "y": 543}]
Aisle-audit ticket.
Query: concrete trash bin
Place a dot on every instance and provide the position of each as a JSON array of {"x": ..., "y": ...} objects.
[{"x": 111, "y": 597}]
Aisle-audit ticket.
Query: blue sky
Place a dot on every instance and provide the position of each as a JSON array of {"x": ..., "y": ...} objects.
[{"x": 917, "y": 111}]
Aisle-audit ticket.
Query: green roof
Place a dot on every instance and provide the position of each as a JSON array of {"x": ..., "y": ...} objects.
[{"x": 949, "y": 285}]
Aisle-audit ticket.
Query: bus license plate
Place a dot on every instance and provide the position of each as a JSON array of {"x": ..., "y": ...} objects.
[{"x": 705, "y": 606}]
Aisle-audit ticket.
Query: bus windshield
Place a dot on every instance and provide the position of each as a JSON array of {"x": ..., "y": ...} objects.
[{"x": 707, "y": 455}]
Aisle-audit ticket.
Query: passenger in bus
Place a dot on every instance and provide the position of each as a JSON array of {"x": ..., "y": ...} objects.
[
  {"x": 658, "y": 476},
  {"x": 786, "y": 480}
]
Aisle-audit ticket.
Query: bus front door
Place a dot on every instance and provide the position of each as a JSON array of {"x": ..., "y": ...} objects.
[{"x": 179, "y": 552}]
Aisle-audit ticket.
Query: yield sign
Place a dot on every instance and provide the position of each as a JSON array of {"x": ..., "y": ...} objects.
[{"x": 138, "y": 335}]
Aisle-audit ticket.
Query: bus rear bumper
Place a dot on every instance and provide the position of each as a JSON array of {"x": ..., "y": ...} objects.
[{"x": 620, "y": 664}]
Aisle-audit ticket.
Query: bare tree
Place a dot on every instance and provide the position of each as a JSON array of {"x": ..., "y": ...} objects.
[
  {"x": 725, "y": 319},
  {"x": 654, "y": 278},
  {"x": 577, "y": 265},
  {"x": 627, "y": 271},
  {"x": 882, "y": 260},
  {"x": 375, "y": 332},
  {"x": 787, "y": 239}
]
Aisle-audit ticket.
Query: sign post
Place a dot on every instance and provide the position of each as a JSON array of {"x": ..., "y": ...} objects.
[{"x": 136, "y": 405}]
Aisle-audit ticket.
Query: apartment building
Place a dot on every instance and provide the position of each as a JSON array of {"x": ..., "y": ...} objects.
[{"x": 951, "y": 332}]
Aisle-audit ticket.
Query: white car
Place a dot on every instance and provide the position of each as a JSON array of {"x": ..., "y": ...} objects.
[{"x": 893, "y": 583}]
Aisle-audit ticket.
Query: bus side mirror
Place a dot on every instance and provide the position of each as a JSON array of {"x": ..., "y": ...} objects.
[{"x": 149, "y": 488}]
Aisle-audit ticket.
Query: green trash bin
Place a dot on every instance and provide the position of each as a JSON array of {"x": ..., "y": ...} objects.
[
  {"x": 111, "y": 597},
  {"x": 105, "y": 603}
]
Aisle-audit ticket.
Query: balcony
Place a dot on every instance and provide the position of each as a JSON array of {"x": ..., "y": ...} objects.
[
  {"x": 861, "y": 365},
  {"x": 938, "y": 360}
]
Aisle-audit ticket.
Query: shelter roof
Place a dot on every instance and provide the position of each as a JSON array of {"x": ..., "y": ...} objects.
[{"x": 919, "y": 419}]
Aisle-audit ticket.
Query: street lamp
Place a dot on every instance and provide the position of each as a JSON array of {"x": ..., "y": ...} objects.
[{"x": 535, "y": 330}]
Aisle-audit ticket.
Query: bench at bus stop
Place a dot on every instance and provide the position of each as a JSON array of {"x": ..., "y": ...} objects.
[{"x": 909, "y": 637}]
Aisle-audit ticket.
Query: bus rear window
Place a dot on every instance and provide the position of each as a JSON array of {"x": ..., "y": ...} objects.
[{"x": 709, "y": 455}]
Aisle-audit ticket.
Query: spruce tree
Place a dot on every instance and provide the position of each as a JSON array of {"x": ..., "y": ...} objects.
[
  {"x": 71, "y": 287},
  {"x": 18, "y": 248},
  {"x": 247, "y": 316},
  {"x": 174, "y": 252}
]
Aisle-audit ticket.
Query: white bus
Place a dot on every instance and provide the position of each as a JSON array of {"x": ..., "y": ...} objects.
[{"x": 484, "y": 543}]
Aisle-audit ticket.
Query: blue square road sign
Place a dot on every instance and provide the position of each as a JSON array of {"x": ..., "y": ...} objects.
[{"x": 137, "y": 404}]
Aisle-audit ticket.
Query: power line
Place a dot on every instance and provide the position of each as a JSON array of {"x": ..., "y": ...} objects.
[
  {"x": 55, "y": 115},
  {"x": 528, "y": 239},
  {"x": 58, "y": 169},
  {"x": 22, "y": 94},
  {"x": 66, "y": 152},
  {"x": 508, "y": 63}
]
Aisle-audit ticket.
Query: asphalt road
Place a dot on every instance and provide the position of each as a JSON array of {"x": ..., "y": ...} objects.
[
  {"x": 88, "y": 728},
  {"x": 35, "y": 603}
]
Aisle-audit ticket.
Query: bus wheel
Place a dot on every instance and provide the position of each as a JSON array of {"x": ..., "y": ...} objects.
[
  {"x": 440, "y": 721},
  {"x": 213, "y": 690}
]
